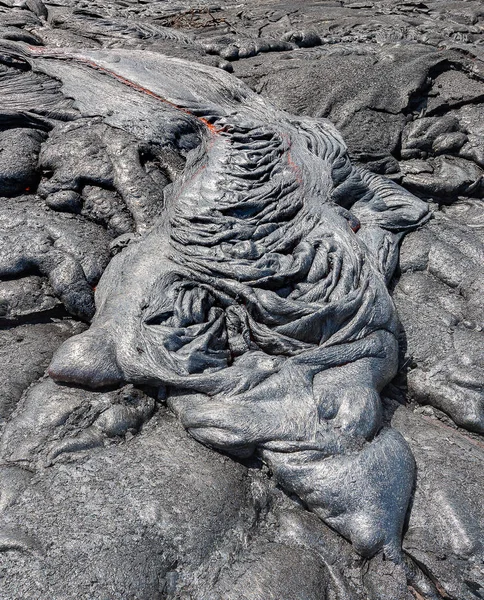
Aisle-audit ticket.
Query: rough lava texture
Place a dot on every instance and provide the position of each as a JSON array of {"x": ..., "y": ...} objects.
[
  {"x": 256, "y": 297},
  {"x": 235, "y": 264}
]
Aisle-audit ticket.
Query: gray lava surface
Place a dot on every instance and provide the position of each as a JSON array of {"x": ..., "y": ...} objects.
[{"x": 104, "y": 494}]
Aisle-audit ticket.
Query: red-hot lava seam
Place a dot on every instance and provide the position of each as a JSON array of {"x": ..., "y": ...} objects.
[
  {"x": 292, "y": 165},
  {"x": 212, "y": 128}
]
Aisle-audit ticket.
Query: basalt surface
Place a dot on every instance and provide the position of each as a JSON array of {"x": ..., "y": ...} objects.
[{"x": 191, "y": 245}]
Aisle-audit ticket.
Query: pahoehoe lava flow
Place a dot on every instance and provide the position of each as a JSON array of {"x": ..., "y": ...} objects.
[
  {"x": 256, "y": 293},
  {"x": 237, "y": 360}
]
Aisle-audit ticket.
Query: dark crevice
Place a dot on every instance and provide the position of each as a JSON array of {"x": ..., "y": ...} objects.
[
  {"x": 418, "y": 99},
  {"x": 425, "y": 570},
  {"x": 52, "y": 315},
  {"x": 442, "y": 110}
]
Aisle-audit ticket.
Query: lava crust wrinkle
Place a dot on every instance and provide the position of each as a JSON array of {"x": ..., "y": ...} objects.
[{"x": 257, "y": 294}]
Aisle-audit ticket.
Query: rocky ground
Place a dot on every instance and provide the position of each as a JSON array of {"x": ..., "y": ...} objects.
[{"x": 92, "y": 510}]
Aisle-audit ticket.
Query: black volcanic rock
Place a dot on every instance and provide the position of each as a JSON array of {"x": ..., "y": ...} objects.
[{"x": 103, "y": 494}]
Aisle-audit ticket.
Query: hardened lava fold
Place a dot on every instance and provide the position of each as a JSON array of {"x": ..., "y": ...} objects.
[{"x": 256, "y": 290}]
